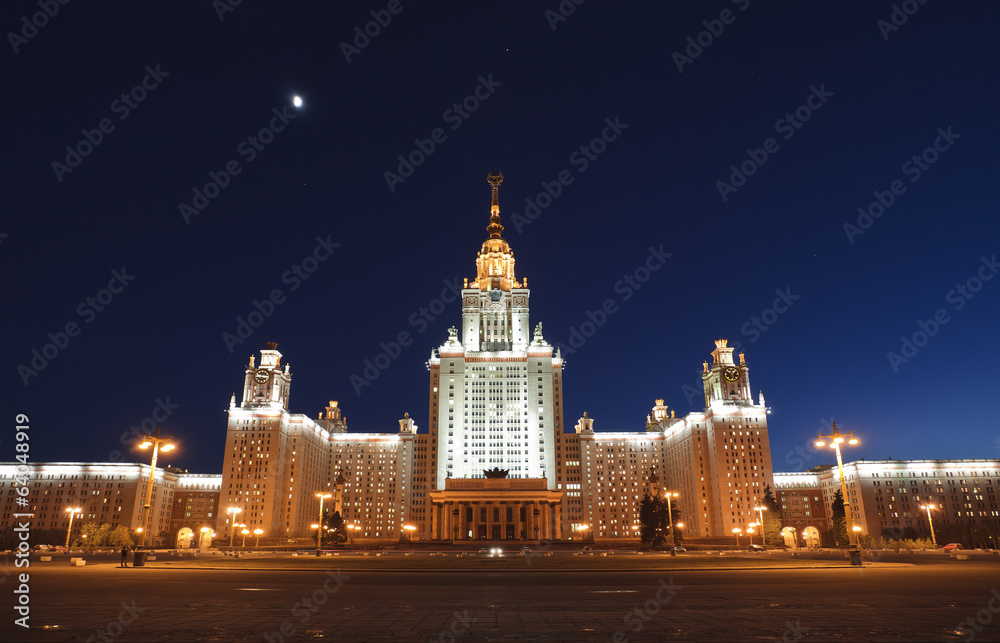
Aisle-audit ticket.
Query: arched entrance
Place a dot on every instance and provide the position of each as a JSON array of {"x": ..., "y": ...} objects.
[
  {"x": 788, "y": 533},
  {"x": 184, "y": 538},
  {"x": 811, "y": 534},
  {"x": 206, "y": 538}
]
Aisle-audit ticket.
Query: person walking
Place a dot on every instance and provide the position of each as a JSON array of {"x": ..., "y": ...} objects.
[{"x": 124, "y": 556}]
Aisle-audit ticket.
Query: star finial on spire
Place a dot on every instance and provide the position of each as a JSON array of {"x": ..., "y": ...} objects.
[{"x": 494, "y": 228}]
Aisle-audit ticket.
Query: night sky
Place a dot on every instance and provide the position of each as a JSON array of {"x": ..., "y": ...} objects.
[{"x": 736, "y": 141}]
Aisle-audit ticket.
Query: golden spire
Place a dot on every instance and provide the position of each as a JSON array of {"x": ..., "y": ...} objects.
[{"x": 494, "y": 228}]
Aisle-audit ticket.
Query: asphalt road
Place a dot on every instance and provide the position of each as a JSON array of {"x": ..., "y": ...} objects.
[{"x": 887, "y": 602}]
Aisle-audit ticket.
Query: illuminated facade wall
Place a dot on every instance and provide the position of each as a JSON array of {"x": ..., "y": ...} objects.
[
  {"x": 887, "y": 494},
  {"x": 111, "y": 493},
  {"x": 802, "y": 501}
]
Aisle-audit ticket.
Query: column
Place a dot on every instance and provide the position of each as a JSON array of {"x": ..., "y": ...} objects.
[
  {"x": 448, "y": 520},
  {"x": 543, "y": 521},
  {"x": 557, "y": 512},
  {"x": 489, "y": 520},
  {"x": 503, "y": 519},
  {"x": 532, "y": 521}
]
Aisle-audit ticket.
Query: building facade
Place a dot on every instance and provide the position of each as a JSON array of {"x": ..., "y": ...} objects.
[
  {"x": 107, "y": 493},
  {"x": 887, "y": 497}
]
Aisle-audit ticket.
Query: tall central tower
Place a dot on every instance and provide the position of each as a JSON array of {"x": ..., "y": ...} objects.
[{"x": 496, "y": 396}]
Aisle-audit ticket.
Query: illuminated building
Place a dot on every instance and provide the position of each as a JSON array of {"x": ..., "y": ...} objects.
[
  {"x": 108, "y": 493},
  {"x": 886, "y": 495},
  {"x": 276, "y": 462}
]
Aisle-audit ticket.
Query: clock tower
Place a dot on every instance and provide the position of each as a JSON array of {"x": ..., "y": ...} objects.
[
  {"x": 267, "y": 385},
  {"x": 724, "y": 380}
]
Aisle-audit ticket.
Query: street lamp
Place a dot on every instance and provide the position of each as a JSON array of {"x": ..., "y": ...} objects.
[
  {"x": 751, "y": 530},
  {"x": 158, "y": 444},
  {"x": 409, "y": 531},
  {"x": 670, "y": 514},
  {"x": 737, "y": 531},
  {"x": 836, "y": 439},
  {"x": 350, "y": 532},
  {"x": 319, "y": 531},
  {"x": 72, "y": 511},
  {"x": 257, "y": 532},
  {"x": 930, "y": 521},
  {"x": 244, "y": 532},
  {"x": 232, "y": 524},
  {"x": 760, "y": 509}
]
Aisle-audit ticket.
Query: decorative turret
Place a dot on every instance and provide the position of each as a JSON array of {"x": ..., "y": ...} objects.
[
  {"x": 585, "y": 424},
  {"x": 725, "y": 381},
  {"x": 406, "y": 425},
  {"x": 333, "y": 420},
  {"x": 266, "y": 385}
]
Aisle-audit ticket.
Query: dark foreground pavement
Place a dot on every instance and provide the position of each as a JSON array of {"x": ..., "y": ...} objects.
[{"x": 883, "y": 603}]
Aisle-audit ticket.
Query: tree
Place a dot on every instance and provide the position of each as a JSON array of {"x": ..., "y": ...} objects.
[
  {"x": 335, "y": 531},
  {"x": 772, "y": 518},
  {"x": 770, "y": 501},
  {"x": 652, "y": 521},
  {"x": 839, "y": 515}
]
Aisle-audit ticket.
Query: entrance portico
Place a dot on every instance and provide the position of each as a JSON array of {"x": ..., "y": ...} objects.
[{"x": 495, "y": 509}]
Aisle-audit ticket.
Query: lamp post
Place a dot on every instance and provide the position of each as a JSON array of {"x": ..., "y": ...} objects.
[
  {"x": 930, "y": 521},
  {"x": 319, "y": 528},
  {"x": 737, "y": 531},
  {"x": 72, "y": 511},
  {"x": 257, "y": 532},
  {"x": 760, "y": 509},
  {"x": 670, "y": 514},
  {"x": 836, "y": 439},
  {"x": 158, "y": 444},
  {"x": 244, "y": 532},
  {"x": 350, "y": 532},
  {"x": 232, "y": 524}
]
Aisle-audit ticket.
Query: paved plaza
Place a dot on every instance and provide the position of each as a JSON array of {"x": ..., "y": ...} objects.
[{"x": 171, "y": 600}]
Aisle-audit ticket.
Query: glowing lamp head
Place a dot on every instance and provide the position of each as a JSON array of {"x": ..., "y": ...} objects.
[
  {"x": 204, "y": 530},
  {"x": 146, "y": 445},
  {"x": 167, "y": 447},
  {"x": 258, "y": 531},
  {"x": 138, "y": 530},
  {"x": 852, "y": 441},
  {"x": 680, "y": 525},
  {"x": 838, "y": 440},
  {"x": 297, "y": 101},
  {"x": 856, "y": 528},
  {"x": 314, "y": 526},
  {"x": 820, "y": 443}
]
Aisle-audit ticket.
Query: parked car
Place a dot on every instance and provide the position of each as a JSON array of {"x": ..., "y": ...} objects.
[
  {"x": 756, "y": 548},
  {"x": 952, "y": 546},
  {"x": 679, "y": 549},
  {"x": 525, "y": 550},
  {"x": 483, "y": 551}
]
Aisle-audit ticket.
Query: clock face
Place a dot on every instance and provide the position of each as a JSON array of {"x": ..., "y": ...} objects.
[
  {"x": 495, "y": 294},
  {"x": 731, "y": 373},
  {"x": 261, "y": 376}
]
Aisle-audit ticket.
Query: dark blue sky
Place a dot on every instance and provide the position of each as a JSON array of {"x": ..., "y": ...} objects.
[{"x": 847, "y": 104}]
